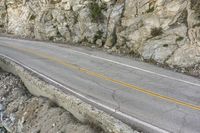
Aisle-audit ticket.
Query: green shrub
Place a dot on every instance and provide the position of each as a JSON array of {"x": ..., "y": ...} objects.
[
  {"x": 151, "y": 9},
  {"x": 156, "y": 31},
  {"x": 180, "y": 38},
  {"x": 32, "y": 17},
  {"x": 195, "y": 5},
  {"x": 95, "y": 12},
  {"x": 98, "y": 35}
]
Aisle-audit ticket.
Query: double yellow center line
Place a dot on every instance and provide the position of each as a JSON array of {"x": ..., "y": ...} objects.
[{"x": 101, "y": 76}]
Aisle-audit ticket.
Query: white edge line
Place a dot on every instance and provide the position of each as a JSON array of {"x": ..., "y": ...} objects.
[
  {"x": 137, "y": 68},
  {"x": 133, "y": 119}
]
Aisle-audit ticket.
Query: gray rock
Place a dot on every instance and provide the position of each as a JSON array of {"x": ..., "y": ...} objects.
[
  {"x": 3, "y": 130},
  {"x": 159, "y": 50},
  {"x": 1, "y": 108},
  {"x": 99, "y": 42},
  {"x": 186, "y": 56}
]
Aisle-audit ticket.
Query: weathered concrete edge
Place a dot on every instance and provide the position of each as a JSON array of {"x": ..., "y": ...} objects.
[{"x": 39, "y": 86}]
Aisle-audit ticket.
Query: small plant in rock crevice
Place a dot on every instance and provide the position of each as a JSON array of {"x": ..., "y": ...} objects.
[
  {"x": 157, "y": 31},
  {"x": 99, "y": 35},
  {"x": 151, "y": 6},
  {"x": 151, "y": 9},
  {"x": 32, "y": 17},
  {"x": 180, "y": 38},
  {"x": 195, "y": 5},
  {"x": 96, "y": 11}
]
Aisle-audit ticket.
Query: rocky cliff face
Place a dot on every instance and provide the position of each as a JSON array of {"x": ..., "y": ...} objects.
[{"x": 164, "y": 31}]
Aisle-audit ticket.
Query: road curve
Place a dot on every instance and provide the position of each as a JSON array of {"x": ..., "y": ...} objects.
[{"x": 140, "y": 94}]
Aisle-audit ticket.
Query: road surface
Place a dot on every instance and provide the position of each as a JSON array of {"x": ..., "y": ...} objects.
[{"x": 137, "y": 93}]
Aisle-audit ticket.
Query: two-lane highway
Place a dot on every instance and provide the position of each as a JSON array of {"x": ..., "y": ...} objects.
[{"x": 145, "y": 94}]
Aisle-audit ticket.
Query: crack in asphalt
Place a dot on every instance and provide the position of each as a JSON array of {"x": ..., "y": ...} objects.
[
  {"x": 183, "y": 123},
  {"x": 114, "y": 98}
]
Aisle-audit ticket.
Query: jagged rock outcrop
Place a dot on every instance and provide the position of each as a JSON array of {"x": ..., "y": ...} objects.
[
  {"x": 164, "y": 31},
  {"x": 3, "y": 16}
]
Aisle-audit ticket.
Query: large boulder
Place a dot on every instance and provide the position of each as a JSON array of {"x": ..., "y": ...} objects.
[
  {"x": 189, "y": 54},
  {"x": 186, "y": 56}
]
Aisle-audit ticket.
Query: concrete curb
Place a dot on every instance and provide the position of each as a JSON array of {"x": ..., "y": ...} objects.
[{"x": 40, "y": 86}]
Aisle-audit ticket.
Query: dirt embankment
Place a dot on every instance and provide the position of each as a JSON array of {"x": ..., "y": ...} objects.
[{"x": 22, "y": 112}]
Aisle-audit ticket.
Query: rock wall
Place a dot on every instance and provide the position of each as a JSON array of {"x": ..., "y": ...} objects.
[{"x": 163, "y": 31}]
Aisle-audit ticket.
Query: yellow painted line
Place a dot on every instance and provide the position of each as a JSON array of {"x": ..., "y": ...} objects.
[{"x": 100, "y": 76}]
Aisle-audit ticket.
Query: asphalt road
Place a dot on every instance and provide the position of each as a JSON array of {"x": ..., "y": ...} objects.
[{"x": 141, "y": 94}]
